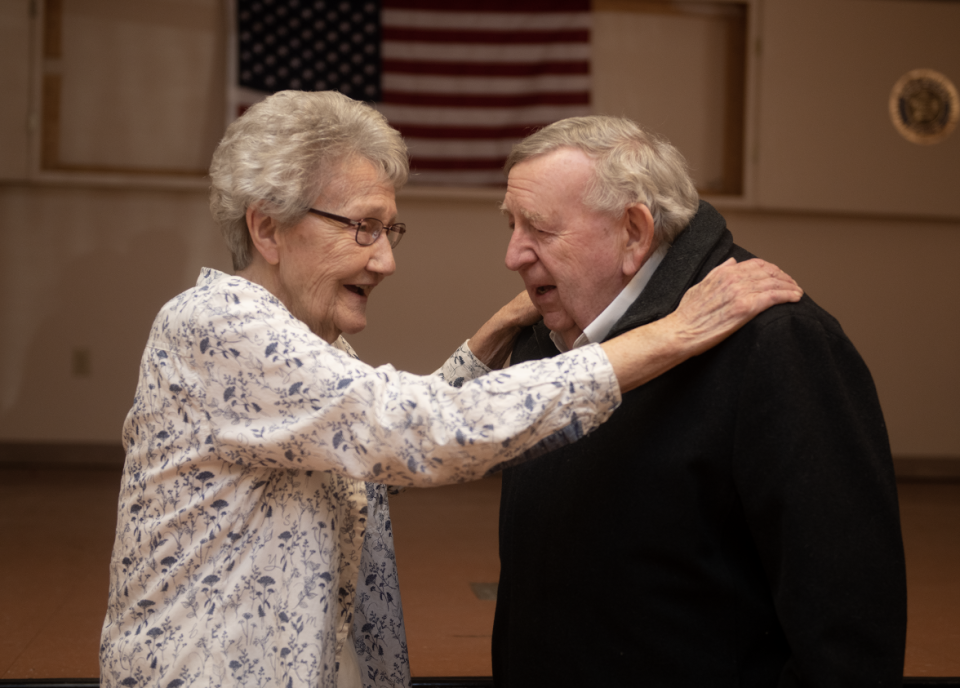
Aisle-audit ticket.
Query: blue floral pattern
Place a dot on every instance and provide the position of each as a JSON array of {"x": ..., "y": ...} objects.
[{"x": 253, "y": 531}]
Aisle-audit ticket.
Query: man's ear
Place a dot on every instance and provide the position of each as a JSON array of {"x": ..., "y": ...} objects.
[
  {"x": 263, "y": 234},
  {"x": 640, "y": 243}
]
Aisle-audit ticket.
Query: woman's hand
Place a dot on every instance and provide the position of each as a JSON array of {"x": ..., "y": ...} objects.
[
  {"x": 730, "y": 296},
  {"x": 493, "y": 342}
]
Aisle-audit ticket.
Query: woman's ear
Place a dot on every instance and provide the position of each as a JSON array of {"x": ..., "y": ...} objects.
[
  {"x": 263, "y": 234},
  {"x": 640, "y": 243}
]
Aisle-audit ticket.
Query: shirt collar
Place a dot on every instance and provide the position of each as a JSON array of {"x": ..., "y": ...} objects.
[{"x": 597, "y": 330}]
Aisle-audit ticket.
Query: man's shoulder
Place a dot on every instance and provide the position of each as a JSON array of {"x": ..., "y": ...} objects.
[{"x": 783, "y": 317}]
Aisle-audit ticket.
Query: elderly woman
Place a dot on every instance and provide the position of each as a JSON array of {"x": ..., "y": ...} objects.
[{"x": 253, "y": 540}]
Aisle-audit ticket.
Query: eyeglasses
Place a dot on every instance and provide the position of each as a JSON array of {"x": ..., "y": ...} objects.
[{"x": 369, "y": 229}]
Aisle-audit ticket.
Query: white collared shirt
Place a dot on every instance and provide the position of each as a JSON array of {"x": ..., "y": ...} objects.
[{"x": 597, "y": 330}]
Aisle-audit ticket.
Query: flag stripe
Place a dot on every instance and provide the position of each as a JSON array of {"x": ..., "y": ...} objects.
[
  {"x": 458, "y": 177},
  {"x": 466, "y": 163},
  {"x": 412, "y": 132},
  {"x": 485, "y": 118},
  {"x": 485, "y": 101},
  {"x": 483, "y": 69},
  {"x": 499, "y": 37},
  {"x": 458, "y": 148},
  {"x": 547, "y": 83},
  {"x": 485, "y": 20},
  {"x": 472, "y": 52}
]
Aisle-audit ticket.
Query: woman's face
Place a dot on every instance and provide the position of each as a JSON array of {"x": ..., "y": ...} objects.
[{"x": 325, "y": 276}]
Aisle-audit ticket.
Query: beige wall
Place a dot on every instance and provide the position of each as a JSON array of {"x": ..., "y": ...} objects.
[{"x": 87, "y": 260}]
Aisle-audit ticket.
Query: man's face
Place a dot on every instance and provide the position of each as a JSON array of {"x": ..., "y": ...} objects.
[{"x": 570, "y": 258}]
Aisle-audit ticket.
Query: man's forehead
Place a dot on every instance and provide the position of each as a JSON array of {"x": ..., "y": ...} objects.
[{"x": 528, "y": 215}]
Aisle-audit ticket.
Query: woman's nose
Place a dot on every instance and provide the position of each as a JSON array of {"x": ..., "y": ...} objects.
[{"x": 381, "y": 260}]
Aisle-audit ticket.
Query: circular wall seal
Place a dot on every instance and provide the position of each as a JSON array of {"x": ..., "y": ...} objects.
[{"x": 924, "y": 106}]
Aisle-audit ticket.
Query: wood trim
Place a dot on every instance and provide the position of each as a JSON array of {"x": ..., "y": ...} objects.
[
  {"x": 60, "y": 455},
  {"x": 675, "y": 7},
  {"x": 53, "y": 29},
  {"x": 735, "y": 116},
  {"x": 922, "y": 469},
  {"x": 50, "y": 128},
  {"x": 137, "y": 171}
]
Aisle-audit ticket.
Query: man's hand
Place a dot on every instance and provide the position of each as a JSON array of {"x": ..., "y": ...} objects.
[{"x": 493, "y": 342}]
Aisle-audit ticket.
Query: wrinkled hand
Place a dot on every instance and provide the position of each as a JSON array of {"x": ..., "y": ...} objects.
[
  {"x": 520, "y": 311},
  {"x": 493, "y": 342},
  {"x": 730, "y": 296}
]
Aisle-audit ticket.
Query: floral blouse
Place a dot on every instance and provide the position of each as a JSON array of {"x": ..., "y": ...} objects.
[{"x": 253, "y": 533}]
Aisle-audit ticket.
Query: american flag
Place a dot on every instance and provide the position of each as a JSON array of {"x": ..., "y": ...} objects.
[{"x": 461, "y": 81}]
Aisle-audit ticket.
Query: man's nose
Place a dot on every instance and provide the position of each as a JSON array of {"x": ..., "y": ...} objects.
[
  {"x": 519, "y": 251},
  {"x": 381, "y": 260}
]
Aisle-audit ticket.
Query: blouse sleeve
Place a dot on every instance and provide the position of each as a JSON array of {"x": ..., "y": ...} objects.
[
  {"x": 462, "y": 367},
  {"x": 243, "y": 378}
]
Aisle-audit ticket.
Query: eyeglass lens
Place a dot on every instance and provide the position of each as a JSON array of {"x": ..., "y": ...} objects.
[{"x": 370, "y": 229}]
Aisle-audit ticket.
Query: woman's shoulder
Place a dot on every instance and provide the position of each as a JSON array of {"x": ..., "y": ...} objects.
[{"x": 217, "y": 305}]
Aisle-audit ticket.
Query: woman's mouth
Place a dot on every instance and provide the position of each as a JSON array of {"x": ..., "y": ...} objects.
[{"x": 356, "y": 289}]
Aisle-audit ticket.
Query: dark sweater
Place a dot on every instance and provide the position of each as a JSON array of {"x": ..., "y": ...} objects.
[{"x": 735, "y": 522}]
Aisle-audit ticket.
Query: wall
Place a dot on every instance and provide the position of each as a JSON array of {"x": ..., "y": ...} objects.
[{"x": 87, "y": 260}]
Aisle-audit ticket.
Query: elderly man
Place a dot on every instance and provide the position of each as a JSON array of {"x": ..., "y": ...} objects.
[{"x": 758, "y": 542}]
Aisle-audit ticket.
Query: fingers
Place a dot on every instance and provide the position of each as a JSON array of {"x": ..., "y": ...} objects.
[
  {"x": 518, "y": 312},
  {"x": 523, "y": 312},
  {"x": 731, "y": 295},
  {"x": 756, "y": 275}
]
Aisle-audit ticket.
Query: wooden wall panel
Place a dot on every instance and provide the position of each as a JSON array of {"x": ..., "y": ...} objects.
[
  {"x": 826, "y": 141},
  {"x": 132, "y": 88},
  {"x": 679, "y": 69}
]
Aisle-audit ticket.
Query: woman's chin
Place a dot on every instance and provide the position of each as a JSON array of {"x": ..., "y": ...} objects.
[{"x": 353, "y": 325}]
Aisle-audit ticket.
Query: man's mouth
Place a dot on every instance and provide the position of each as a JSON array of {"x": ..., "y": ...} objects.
[{"x": 541, "y": 290}]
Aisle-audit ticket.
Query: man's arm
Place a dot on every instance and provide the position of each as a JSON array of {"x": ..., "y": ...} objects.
[{"x": 813, "y": 470}]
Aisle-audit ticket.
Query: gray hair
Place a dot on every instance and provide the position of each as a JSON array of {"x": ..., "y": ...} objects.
[
  {"x": 632, "y": 165},
  {"x": 281, "y": 153}
]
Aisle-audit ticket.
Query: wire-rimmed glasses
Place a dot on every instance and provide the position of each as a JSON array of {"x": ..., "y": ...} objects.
[{"x": 368, "y": 229}]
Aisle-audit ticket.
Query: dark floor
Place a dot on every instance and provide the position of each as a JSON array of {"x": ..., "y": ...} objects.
[{"x": 56, "y": 530}]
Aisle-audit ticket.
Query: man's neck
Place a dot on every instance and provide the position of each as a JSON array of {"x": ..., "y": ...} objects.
[{"x": 600, "y": 327}]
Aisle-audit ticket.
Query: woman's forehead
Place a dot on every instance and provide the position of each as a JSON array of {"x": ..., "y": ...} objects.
[{"x": 358, "y": 185}]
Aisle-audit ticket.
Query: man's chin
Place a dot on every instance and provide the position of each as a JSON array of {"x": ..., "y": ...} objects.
[{"x": 557, "y": 323}]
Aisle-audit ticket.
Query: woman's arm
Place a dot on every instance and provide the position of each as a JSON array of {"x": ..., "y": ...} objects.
[
  {"x": 229, "y": 371},
  {"x": 731, "y": 295}
]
